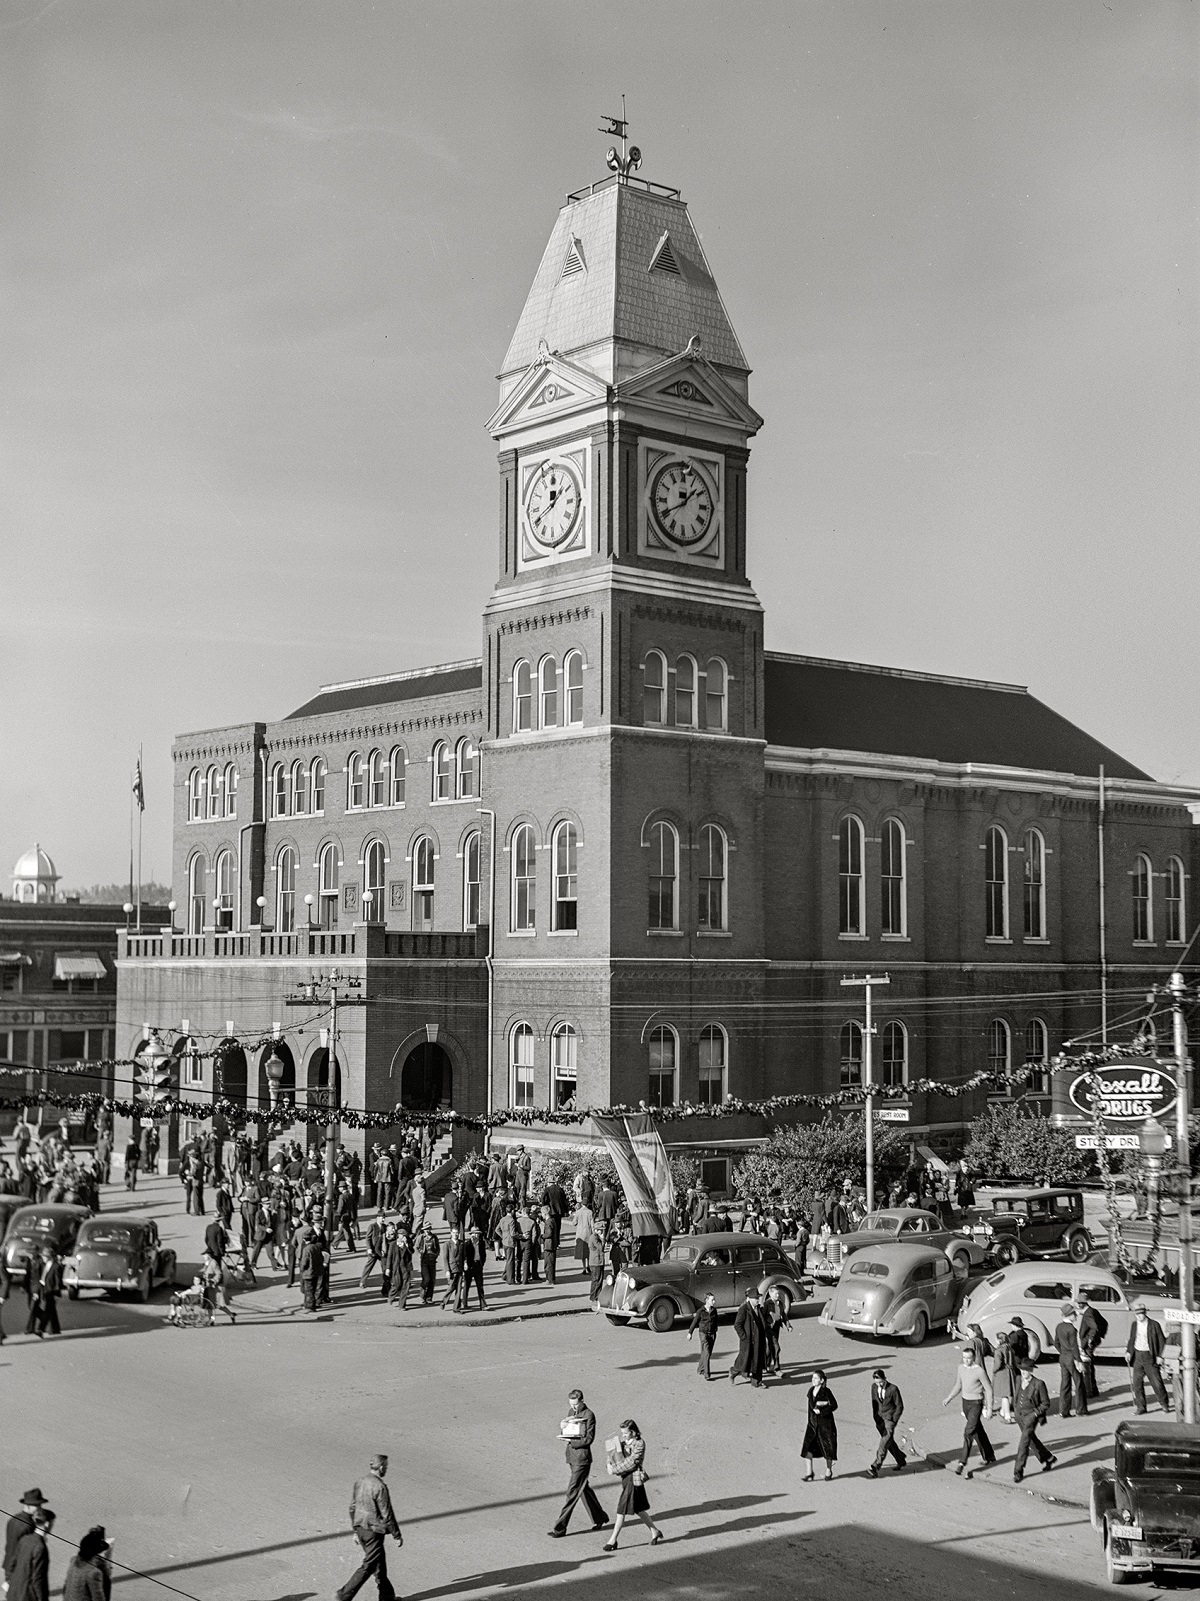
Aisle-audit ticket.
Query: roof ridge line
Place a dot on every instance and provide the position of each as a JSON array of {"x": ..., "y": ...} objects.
[
  {"x": 896, "y": 672},
  {"x": 398, "y": 678}
]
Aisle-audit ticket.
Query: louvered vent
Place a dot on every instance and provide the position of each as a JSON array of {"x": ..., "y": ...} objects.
[
  {"x": 574, "y": 263},
  {"x": 663, "y": 259}
]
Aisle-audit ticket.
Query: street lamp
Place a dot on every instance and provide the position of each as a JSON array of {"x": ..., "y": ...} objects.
[
  {"x": 308, "y": 905},
  {"x": 274, "y": 1067}
]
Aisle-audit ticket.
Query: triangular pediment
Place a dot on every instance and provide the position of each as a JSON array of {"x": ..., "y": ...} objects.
[
  {"x": 551, "y": 387},
  {"x": 690, "y": 386}
]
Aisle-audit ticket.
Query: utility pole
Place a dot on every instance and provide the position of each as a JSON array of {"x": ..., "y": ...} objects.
[
  {"x": 867, "y": 984},
  {"x": 310, "y": 994},
  {"x": 1187, "y": 1329}
]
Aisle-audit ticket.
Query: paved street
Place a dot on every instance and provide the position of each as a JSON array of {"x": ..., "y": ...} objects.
[{"x": 222, "y": 1458}]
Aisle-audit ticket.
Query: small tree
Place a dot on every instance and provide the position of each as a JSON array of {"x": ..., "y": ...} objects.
[
  {"x": 1008, "y": 1142},
  {"x": 810, "y": 1158}
]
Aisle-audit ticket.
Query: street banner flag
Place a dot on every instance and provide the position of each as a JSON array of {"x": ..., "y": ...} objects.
[
  {"x": 139, "y": 793},
  {"x": 640, "y": 1158}
]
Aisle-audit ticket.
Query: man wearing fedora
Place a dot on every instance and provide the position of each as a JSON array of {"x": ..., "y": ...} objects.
[
  {"x": 30, "y": 1577},
  {"x": 19, "y": 1525},
  {"x": 1031, "y": 1402},
  {"x": 1142, "y": 1355}
]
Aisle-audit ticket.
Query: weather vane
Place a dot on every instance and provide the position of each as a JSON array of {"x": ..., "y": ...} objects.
[{"x": 630, "y": 158}]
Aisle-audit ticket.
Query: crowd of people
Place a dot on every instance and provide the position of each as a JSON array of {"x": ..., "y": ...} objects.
[{"x": 46, "y": 1167}]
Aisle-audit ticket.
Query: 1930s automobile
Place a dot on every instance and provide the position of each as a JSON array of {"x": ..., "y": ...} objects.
[
  {"x": 1146, "y": 1507},
  {"x": 724, "y": 1265}
]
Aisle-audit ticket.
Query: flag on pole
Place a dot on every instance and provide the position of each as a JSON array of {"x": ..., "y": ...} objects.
[
  {"x": 640, "y": 1158},
  {"x": 139, "y": 793}
]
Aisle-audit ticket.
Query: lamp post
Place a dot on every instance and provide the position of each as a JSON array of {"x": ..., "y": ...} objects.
[
  {"x": 867, "y": 984},
  {"x": 1153, "y": 1141},
  {"x": 274, "y": 1067},
  {"x": 1187, "y": 1286}
]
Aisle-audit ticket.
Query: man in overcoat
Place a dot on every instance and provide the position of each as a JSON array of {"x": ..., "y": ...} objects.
[
  {"x": 579, "y": 1434},
  {"x": 748, "y": 1326}
]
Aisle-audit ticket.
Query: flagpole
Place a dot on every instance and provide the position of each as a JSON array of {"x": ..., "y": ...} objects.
[{"x": 141, "y": 809}]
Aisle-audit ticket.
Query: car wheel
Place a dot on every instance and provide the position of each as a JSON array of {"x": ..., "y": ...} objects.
[
  {"x": 960, "y": 1264},
  {"x": 785, "y": 1303},
  {"x": 1097, "y": 1508},
  {"x": 661, "y": 1316},
  {"x": 1006, "y": 1253},
  {"x": 916, "y": 1335},
  {"x": 1079, "y": 1246},
  {"x": 1115, "y": 1575},
  {"x": 1036, "y": 1349}
]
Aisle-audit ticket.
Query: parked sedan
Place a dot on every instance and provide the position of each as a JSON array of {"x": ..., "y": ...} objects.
[
  {"x": 903, "y": 1223},
  {"x": 117, "y": 1254},
  {"x": 1036, "y": 1291},
  {"x": 54, "y": 1222},
  {"x": 724, "y": 1265},
  {"x": 1032, "y": 1224},
  {"x": 901, "y": 1291}
]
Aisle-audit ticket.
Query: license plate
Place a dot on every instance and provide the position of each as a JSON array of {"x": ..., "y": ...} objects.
[{"x": 1127, "y": 1531}]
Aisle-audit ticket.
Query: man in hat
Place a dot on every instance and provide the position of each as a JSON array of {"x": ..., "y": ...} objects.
[
  {"x": 30, "y": 1580},
  {"x": 1018, "y": 1340},
  {"x": 887, "y": 1408},
  {"x": 19, "y": 1525},
  {"x": 1070, "y": 1365},
  {"x": 372, "y": 1519},
  {"x": 1093, "y": 1326},
  {"x": 1031, "y": 1401},
  {"x": 1142, "y": 1356},
  {"x": 578, "y": 1429}
]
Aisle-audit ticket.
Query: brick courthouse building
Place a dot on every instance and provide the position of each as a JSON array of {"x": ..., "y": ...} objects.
[{"x": 628, "y": 855}]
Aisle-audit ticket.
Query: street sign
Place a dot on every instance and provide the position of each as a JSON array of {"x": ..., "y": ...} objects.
[
  {"x": 1112, "y": 1142},
  {"x": 1180, "y": 1314},
  {"x": 1126, "y": 1091},
  {"x": 893, "y": 1114}
]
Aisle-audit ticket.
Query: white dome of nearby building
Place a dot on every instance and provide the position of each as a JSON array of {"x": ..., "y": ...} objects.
[{"x": 34, "y": 877}]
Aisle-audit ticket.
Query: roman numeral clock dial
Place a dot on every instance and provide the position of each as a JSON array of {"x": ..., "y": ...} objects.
[
  {"x": 682, "y": 503},
  {"x": 553, "y": 504}
]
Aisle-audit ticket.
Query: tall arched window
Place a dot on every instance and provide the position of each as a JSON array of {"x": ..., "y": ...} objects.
[
  {"x": 548, "y": 692},
  {"x": 285, "y": 891},
  {"x": 1035, "y": 885},
  {"x": 564, "y": 1067},
  {"x": 1143, "y": 900},
  {"x": 374, "y": 869},
  {"x": 195, "y": 795},
  {"x": 1037, "y": 1052},
  {"x": 685, "y": 692},
  {"x": 716, "y": 686},
  {"x": 422, "y": 884},
  {"x": 223, "y": 891},
  {"x": 995, "y": 873},
  {"x": 893, "y": 884},
  {"x": 664, "y": 1059},
  {"x": 712, "y": 859},
  {"x": 231, "y": 789},
  {"x": 523, "y": 901},
  {"x": 443, "y": 772},
  {"x": 281, "y": 791},
  {"x": 318, "y": 785},
  {"x": 850, "y": 1053},
  {"x": 300, "y": 795},
  {"x": 1175, "y": 902},
  {"x": 893, "y": 1062},
  {"x": 197, "y": 893},
  {"x": 564, "y": 913},
  {"x": 468, "y": 770},
  {"x": 522, "y": 716},
  {"x": 999, "y": 1049},
  {"x": 573, "y": 688},
  {"x": 664, "y": 877},
  {"x": 851, "y": 888},
  {"x": 471, "y": 877},
  {"x": 398, "y": 765},
  {"x": 654, "y": 689},
  {"x": 377, "y": 779},
  {"x": 356, "y": 783},
  {"x": 215, "y": 784},
  {"x": 713, "y": 1063},
  {"x": 520, "y": 1057},
  {"x": 329, "y": 873}
]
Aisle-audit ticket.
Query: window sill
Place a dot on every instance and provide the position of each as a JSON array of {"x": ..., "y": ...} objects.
[
  {"x": 714, "y": 933},
  {"x": 564, "y": 933},
  {"x": 664, "y": 933},
  {"x": 996, "y": 939},
  {"x": 896, "y": 939},
  {"x": 1035, "y": 939},
  {"x": 1145, "y": 944},
  {"x": 854, "y": 936},
  {"x": 522, "y": 933},
  {"x": 1175, "y": 944}
]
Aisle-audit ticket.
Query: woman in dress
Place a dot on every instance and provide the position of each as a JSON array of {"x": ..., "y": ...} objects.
[
  {"x": 820, "y": 1437},
  {"x": 629, "y": 1466},
  {"x": 1004, "y": 1377}
]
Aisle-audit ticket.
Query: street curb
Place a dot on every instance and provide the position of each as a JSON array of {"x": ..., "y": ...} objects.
[
  {"x": 947, "y": 1464},
  {"x": 470, "y": 1319}
]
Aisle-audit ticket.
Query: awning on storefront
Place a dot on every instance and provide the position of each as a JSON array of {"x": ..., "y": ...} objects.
[
  {"x": 932, "y": 1159},
  {"x": 13, "y": 959},
  {"x": 80, "y": 967}
]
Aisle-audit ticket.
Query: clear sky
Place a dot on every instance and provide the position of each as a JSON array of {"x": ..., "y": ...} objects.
[{"x": 261, "y": 261}]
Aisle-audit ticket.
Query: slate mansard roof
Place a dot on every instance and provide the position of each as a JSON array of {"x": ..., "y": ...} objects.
[{"x": 450, "y": 679}]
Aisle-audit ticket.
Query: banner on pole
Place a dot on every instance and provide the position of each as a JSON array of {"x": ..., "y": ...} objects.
[{"x": 640, "y": 1158}]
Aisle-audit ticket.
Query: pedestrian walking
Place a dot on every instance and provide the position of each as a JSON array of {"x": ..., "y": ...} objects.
[
  {"x": 1005, "y": 1372},
  {"x": 628, "y": 1463},
  {"x": 212, "y": 1276},
  {"x": 400, "y": 1270},
  {"x": 704, "y": 1323},
  {"x": 374, "y": 1250},
  {"x": 748, "y": 1326},
  {"x": 775, "y": 1320},
  {"x": 887, "y": 1408},
  {"x": 474, "y": 1256},
  {"x": 133, "y": 1160},
  {"x": 20, "y": 1524},
  {"x": 30, "y": 1579},
  {"x": 372, "y": 1519},
  {"x": 975, "y": 1388},
  {"x": 44, "y": 1282},
  {"x": 89, "y": 1577},
  {"x": 1143, "y": 1354},
  {"x": 596, "y": 1269},
  {"x": 820, "y": 1434},
  {"x": 454, "y": 1267},
  {"x": 1031, "y": 1402},
  {"x": 1093, "y": 1327},
  {"x": 1071, "y": 1391},
  {"x": 578, "y": 1430},
  {"x": 428, "y": 1251}
]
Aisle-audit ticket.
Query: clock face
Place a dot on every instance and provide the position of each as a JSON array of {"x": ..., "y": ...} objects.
[
  {"x": 553, "y": 504},
  {"x": 681, "y": 502}
]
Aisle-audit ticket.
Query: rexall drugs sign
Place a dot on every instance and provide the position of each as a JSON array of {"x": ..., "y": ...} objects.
[{"x": 1126, "y": 1092}]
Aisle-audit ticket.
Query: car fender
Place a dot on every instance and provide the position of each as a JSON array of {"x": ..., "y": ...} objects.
[
  {"x": 1103, "y": 1499},
  {"x": 685, "y": 1304},
  {"x": 793, "y": 1288}
]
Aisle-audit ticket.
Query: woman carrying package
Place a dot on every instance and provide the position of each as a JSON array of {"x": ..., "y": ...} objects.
[{"x": 626, "y": 1459}]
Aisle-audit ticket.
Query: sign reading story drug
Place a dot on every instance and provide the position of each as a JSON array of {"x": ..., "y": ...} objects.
[{"x": 1126, "y": 1091}]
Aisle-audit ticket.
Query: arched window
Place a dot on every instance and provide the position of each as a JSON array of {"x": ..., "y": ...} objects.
[
  {"x": 318, "y": 785},
  {"x": 1037, "y": 1051},
  {"x": 713, "y": 1061},
  {"x": 213, "y": 782},
  {"x": 443, "y": 772},
  {"x": 231, "y": 788},
  {"x": 713, "y": 859},
  {"x": 522, "y": 715},
  {"x": 564, "y": 909},
  {"x": 378, "y": 779},
  {"x": 422, "y": 884},
  {"x": 850, "y": 1052},
  {"x": 285, "y": 891},
  {"x": 654, "y": 689},
  {"x": 468, "y": 769},
  {"x": 996, "y": 882},
  {"x": 664, "y": 1058},
  {"x": 1035, "y": 885},
  {"x": 520, "y": 1058},
  {"x": 223, "y": 891},
  {"x": 999, "y": 1049},
  {"x": 851, "y": 888},
  {"x": 716, "y": 685},
  {"x": 664, "y": 877},
  {"x": 893, "y": 884},
  {"x": 564, "y": 1067},
  {"x": 374, "y": 869},
  {"x": 397, "y": 765},
  {"x": 356, "y": 783},
  {"x": 573, "y": 688},
  {"x": 299, "y": 788},
  {"x": 471, "y": 878},
  {"x": 281, "y": 791},
  {"x": 523, "y": 901},
  {"x": 893, "y": 1063},
  {"x": 197, "y": 893},
  {"x": 329, "y": 871},
  {"x": 195, "y": 795},
  {"x": 547, "y": 692},
  {"x": 1143, "y": 900},
  {"x": 685, "y": 693},
  {"x": 1176, "y": 908}
]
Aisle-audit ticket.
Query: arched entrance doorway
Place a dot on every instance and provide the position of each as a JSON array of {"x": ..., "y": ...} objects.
[
  {"x": 318, "y": 1091},
  {"x": 425, "y": 1079},
  {"x": 230, "y": 1083}
]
